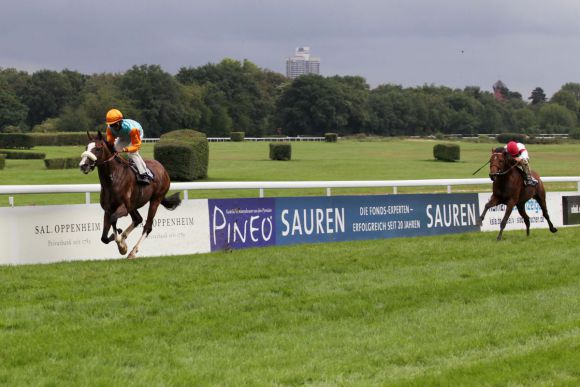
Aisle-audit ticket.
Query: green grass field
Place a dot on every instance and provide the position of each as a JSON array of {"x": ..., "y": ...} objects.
[
  {"x": 346, "y": 160},
  {"x": 451, "y": 310},
  {"x": 447, "y": 310}
]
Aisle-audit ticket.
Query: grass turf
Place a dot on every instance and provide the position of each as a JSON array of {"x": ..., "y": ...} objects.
[{"x": 450, "y": 310}]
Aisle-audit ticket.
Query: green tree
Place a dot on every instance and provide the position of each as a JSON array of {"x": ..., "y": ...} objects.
[
  {"x": 538, "y": 96},
  {"x": 554, "y": 118},
  {"x": 12, "y": 111}
]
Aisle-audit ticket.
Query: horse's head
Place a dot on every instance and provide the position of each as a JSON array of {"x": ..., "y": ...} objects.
[
  {"x": 98, "y": 152},
  {"x": 497, "y": 163}
]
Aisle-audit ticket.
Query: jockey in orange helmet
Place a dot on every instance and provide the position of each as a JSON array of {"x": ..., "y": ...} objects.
[
  {"x": 519, "y": 153},
  {"x": 126, "y": 136}
]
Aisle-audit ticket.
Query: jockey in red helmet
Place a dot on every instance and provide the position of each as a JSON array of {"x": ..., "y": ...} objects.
[
  {"x": 126, "y": 136},
  {"x": 519, "y": 153}
]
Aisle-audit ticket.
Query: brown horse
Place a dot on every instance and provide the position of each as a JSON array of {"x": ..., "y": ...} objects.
[
  {"x": 120, "y": 193},
  {"x": 509, "y": 189}
]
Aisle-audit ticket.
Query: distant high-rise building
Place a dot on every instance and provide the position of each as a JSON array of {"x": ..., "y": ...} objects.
[{"x": 302, "y": 63}]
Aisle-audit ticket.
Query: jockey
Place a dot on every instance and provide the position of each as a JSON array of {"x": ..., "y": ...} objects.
[
  {"x": 519, "y": 153},
  {"x": 125, "y": 135}
]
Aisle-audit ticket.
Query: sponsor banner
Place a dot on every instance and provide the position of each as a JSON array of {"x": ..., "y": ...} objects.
[
  {"x": 73, "y": 232},
  {"x": 239, "y": 223},
  {"x": 571, "y": 210},
  {"x": 495, "y": 214},
  {"x": 342, "y": 218}
]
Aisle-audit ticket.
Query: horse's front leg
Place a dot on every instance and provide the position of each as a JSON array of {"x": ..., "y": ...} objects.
[
  {"x": 493, "y": 201},
  {"x": 136, "y": 221},
  {"x": 117, "y": 236},
  {"x": 522, "y": 210},
  {"x": 146, "y": 228},
  {"x": 508, "y": 212},
  {"x": 105, "y": 238}
]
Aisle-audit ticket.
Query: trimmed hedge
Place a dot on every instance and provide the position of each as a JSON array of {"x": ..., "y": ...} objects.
[
  {"x": 16, "y": 141},
  {"x": 62, "y": 163},
  {"x": 504, "y": 138},
  {"x": 330, "y": 137},
  {"x": 446, "y": 152},
  {"x": 60, "y": 138},
  {"x": 2, "y": 160},
  {"x": 280, "y": 151},
  {"x": 237, "y": 136},
  {"x": 23, "y": 155},
  {"x": 184, "y": 154}
]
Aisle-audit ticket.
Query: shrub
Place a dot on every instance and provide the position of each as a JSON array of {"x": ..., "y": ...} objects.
[
  {"x": 446, "y": 152},
  {"x": 59, "y": 139},
  {"x": 12, "y": 129},
  {"x": 16, "y": 141},
  {"x": 62, "y": 163},
  {"x": 2, "y": 160},
  {"x": 184, "y": 154},
  {"x": 330, "y": 137},
  {"x": 23, "y": 155},
  {"x": 504, "y": 138},
  {"x": 237, "y": 136},
  {"x": 280, "y": 151},
  {"x": 575, "y": 133}
]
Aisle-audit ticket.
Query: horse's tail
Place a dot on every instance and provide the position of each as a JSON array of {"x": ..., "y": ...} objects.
[{"x": 171, "y": 202}]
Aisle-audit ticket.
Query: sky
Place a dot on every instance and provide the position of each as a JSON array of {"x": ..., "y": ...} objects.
[{"x": 454, "y": 43}]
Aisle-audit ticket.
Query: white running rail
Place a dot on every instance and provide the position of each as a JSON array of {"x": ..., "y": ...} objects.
[{"x": 262, "y": 185}]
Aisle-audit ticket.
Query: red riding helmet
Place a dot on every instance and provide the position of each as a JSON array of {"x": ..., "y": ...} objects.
[{"x": 512, "y": 148}]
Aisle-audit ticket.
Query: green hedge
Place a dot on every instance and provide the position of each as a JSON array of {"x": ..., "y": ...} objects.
[
  {"x": 23, "y": 155},
  {"x": 60, "y": 138},
  {"x": 237, "y": 136},
  {"x": 2, "y": 160},
  {"x": 504, "y": 138},
  {"x": 330, "y": 137},
  {"x": 184, "y": 154},
  {"x": 16, "y": 141},
  {"x": 446, "y": 152},
  {"x": 62, "y": 163},
  {"x": 280, "y": 151}
]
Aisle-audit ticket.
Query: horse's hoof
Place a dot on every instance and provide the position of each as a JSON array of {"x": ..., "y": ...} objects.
[
  {"x": 132, "y": 255},
  {"x": 554, "y": 229},
  {"x": 122, "y": 248}
]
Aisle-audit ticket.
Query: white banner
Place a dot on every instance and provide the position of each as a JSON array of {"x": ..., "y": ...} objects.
[
  {"x": 516, "y": 222},
  {"x": 46, "y": 234}
]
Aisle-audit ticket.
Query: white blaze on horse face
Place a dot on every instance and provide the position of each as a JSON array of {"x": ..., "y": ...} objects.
[{"x": 88, "y": 154}]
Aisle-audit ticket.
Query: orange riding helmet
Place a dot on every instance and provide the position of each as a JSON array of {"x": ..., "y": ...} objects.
[
  {"x": 512, "y": 148},
  {"x": 113, "y": 116}
]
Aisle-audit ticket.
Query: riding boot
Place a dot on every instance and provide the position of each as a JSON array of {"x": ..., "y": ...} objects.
[{"x": 529, "y": 178}]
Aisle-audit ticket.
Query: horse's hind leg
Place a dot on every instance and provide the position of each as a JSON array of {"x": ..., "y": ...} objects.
[
  {"x": 136, "y": 221},
  {"x": 541, "y": 199},
  {"x": 523, "y": 214},
  {"x": 146, "y": 228}
]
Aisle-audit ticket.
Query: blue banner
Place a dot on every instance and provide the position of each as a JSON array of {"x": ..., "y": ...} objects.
[
  {"x": 342, "y": 218},
  {"x": 239, "y": 223}
]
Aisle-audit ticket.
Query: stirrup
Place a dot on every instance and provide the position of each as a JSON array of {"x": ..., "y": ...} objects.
[{"x": 143, "y": 179}]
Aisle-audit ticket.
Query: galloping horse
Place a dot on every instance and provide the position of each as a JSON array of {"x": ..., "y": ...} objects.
[
  {"x": 120, "y": 193},
  {"x": 509, "y": 189}
]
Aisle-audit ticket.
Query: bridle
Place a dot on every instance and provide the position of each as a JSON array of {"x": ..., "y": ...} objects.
[{"x": 501, "y": 173}]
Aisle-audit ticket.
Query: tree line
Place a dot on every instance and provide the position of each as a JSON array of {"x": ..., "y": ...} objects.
[{"x": 218, "y": 98}]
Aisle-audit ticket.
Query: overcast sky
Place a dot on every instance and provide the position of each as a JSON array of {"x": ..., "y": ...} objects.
[{"x": 455, "y": 43}]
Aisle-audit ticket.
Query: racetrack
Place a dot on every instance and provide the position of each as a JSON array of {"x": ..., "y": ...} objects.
[{"x": 457, "y": 309}]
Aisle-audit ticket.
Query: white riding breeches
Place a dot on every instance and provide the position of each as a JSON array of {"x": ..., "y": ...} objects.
[{"x": 134, "y": 156}]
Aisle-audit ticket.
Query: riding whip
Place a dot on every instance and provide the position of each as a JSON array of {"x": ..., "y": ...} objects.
[{"x": 480, "y": 168}]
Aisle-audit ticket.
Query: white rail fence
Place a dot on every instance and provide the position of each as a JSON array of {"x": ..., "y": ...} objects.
[
  {"x": 87, "y": 189},
  {"x": 253, "y": 139}
]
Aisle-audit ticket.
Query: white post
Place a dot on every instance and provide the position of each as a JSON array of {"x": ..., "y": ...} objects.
[
  {"x": 87, "y": 198},
  {"x": 395, "y": 189},
  {"x": 328, "y": 191},
  {"x": 185, "y": 195},
  {"x": 261, "y": 192},
  {"x": 11, "y": 201},
  {"x": 449, "y": 189}
]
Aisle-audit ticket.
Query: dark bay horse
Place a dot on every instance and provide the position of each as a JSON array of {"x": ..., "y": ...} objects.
[
  {"x": 509, "y": 189},
  {"x": 120, "y": 193}
]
